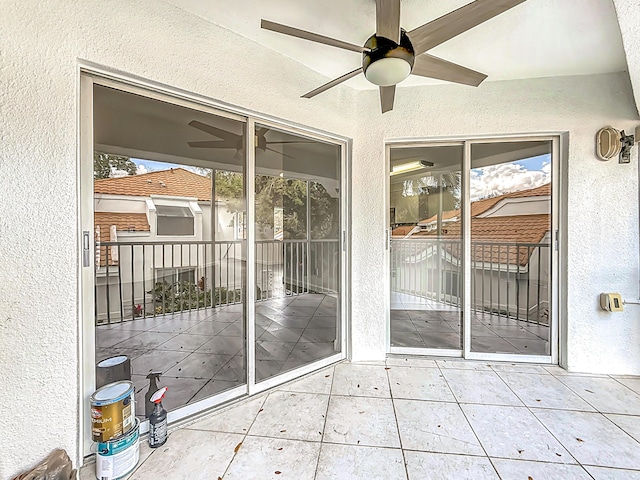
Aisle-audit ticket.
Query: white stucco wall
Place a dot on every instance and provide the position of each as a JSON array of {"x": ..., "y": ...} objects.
[
  {"x": 41, "y": 44},
  {"x": 601, "y": 200}
]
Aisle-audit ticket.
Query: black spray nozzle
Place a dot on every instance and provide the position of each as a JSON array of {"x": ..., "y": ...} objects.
[{"x": 155, "y": 375}]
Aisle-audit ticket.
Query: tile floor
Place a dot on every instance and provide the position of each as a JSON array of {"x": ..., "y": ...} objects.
[
  {"x": 420, "y": 323},
  {"x": 201, "y": 353},
  {"x": 415, "y": 418}
]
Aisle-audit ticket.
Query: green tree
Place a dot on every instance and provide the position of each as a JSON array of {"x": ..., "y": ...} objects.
[
  {"x": 104, "y": 164},
  {"x": 290, "y": 195}
]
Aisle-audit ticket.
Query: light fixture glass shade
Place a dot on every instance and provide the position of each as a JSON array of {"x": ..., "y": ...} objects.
[
  {"x": 388, "y": 71},
  {"x": 407, "y": 167}
]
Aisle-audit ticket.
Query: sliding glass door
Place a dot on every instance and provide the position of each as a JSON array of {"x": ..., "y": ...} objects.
[
  {"x": 215, "y": 247},
  {"x": 425, "y": 195},
  {"x": 471, "y": 253},
  {"x": 511, "y": 229},
  {"x": 298, "y": 251},
  {"x": 170, "y": 265}
]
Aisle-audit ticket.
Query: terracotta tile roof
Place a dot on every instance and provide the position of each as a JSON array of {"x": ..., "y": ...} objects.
[
  {"x": 503, "y": 230},
  {"x": 402, "y": 230},
  {"x": 176, "y": 182},
  {"x": 447, "y": 215},
  {"x": 124, "y": 222},
  {"x": 480, "y": 206}
]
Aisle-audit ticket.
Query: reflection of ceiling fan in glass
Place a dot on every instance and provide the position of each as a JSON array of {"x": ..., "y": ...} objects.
[
  {"x": 236, "y": 141},
  {"x": 391, "y": 54}
]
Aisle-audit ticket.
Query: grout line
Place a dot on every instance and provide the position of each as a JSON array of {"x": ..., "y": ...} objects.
[
  {"x": 540, "y": 422},
  {"x": 469, "y": 423},
  {"x": 246, "y": 434},
  {"x": 324, "y": 426},
  {"x": 395, "y": 416}
]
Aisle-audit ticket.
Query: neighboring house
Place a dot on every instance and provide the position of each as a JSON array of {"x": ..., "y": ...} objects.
[
  {"x": 162, "y": 224},
  {"x": 510, "y": 251}
]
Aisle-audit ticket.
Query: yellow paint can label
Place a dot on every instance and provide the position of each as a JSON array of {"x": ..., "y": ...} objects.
[{"x": 112, "y": 411}]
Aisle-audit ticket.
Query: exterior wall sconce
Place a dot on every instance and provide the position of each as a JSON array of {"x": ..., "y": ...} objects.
[{"x": 611, "y": 142}]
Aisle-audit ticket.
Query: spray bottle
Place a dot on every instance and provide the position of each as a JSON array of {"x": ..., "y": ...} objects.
[
  {"x": 153, "y": 388},
  {"x": 158, "y": 420}
]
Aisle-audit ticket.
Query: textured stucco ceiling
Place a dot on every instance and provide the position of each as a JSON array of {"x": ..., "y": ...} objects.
[{"x": 539, "y": 38}]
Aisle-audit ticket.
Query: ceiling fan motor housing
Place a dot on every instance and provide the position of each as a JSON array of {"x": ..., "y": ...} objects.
[{"x": 394, "y": 61}]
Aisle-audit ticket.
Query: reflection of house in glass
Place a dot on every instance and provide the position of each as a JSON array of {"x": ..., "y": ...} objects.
[
  {"x": 154, "y": 232},
  {"x": 510, "y": 256}
]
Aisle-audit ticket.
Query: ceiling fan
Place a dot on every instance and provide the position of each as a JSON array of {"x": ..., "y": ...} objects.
[
  {"x": 234, "y": 140},
  {"x": 391, "y": 54}
]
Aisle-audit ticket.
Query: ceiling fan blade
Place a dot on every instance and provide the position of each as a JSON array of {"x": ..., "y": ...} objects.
[
  {"x": 387, "y": 95},
  {"x": 215, "y": 131},
  {"x": 314, "y": 37},
  {"x": 280, "y": 153},
  {"x": 332, "y": 83},
  {"x": 213, "y": 144},
  {"x": 388, "y": 19},
  {"x": 426, "y": 65},
  {"x": 452, "y": 24}
]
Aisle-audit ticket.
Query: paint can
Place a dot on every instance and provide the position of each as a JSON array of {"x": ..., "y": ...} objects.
[
  {"x": 113, "y": 369},
  {"x": 116, "y": 458},
  {"x": 112, "y": 411}
]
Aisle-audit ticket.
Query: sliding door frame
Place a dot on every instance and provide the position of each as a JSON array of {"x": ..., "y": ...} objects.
[
  {"x": 557, "y": 339},
  {"x": 90, "y": 74}
]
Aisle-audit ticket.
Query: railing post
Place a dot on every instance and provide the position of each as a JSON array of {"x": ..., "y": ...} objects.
[
  {"x": 133, "y": 286},
  {"x": 106, "y": 249},
  {"x": 120, "y": 283}
]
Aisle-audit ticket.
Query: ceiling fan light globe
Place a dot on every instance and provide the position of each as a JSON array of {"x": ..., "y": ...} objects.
[{"x": 388, "y": 71}]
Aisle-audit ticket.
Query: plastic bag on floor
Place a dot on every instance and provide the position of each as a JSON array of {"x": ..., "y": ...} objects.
[{"x": 57, "y": 466}]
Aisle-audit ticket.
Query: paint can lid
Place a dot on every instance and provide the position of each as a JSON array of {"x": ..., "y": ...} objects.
[
  {"x": 112, "y": 393},
  {"x": 110, "y": 362}
]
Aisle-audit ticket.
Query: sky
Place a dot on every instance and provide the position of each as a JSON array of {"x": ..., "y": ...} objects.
[
  {"x": 488, "y": 181},
  {"x": 510, "y": 177},
  {"x": 146, "y": 166}
]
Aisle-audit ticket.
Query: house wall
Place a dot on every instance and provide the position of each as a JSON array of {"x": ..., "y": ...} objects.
[
  {"x": 41, "y": 44},
  {"x": 121, "y": 204},
  {"x": 599, "y": 201},
  {"x": 517, "y": 206}
]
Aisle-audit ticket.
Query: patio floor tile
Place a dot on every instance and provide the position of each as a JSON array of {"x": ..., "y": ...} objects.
[
  {"x": 188, "y": 455},
  {"x": 440, "y": 466},
  {"x": 419, "y": 384},
  {"x": 605, "y": 394},
  {"x": 592, "y": 438},
  {"x": 236, "y": 419},
  {"x": 435, "y": 427},
  {"x": 292, "y": 415},
  {"x": 361, "y": 380},
  {"x": 340, "y": 462},
  {"x": 544, "y": 391},
  {"x": 480, "y": 387},
  {"x": 628, "y": 423},
  {"x": 361, "y": 421},
  {"x": 514, "y": 432},
  {"x": 274, "y": 458},
  {"x": 520, "y": 469},
  {"x": 319, "y": 382},
  {"x": 601, "y": 473}
]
